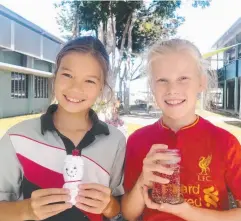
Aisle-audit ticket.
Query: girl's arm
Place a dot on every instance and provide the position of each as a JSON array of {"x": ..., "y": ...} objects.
[
  {"x": 15, "y": 211},
  {"x": 113, "y": 208},
  {"x": 197, "y": 214},
  {"x": 132, "y": 204}
]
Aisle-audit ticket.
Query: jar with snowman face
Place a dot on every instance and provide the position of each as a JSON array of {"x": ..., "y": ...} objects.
[{"x": 73, "y": 174}]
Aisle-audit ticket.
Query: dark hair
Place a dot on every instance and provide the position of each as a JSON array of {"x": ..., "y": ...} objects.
[{"x": 88, "y": 45}]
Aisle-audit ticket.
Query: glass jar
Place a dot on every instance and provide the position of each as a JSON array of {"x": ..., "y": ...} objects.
[{"x": 171, "y": 192}]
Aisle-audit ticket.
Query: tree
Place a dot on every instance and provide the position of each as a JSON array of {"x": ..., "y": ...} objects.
[
  {"x": 100, "y": 16},
  {"x": 129, "y": 25},
  {"x": 149, "y": 25}
]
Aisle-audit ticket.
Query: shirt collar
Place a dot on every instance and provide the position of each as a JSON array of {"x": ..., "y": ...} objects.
[
  {"x": 192, "y": 125},
  {"x": 47, "y": 123}
]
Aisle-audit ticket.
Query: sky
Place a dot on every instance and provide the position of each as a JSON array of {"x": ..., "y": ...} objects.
[
  {"x": 205, "y": 26},
  {"x": 202, "y": 26}
]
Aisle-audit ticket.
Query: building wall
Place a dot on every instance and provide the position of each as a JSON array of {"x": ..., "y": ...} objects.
[
  {"x": 239, "y": 69},
  {"x": 20, "y": 106},
  {"x": 20, "y": 35},
  {"x": 23, "y": 43},
  {"x": 36, "y": 105},
  {"x": 231, "y": 70},
  {"x": 10, "y": 106},
  {"x": 231, "y": 77}
]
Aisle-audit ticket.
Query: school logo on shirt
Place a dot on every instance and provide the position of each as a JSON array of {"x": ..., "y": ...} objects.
[
  {"x": 204, "y": 163},
  {"x": 211, "y": 197}
]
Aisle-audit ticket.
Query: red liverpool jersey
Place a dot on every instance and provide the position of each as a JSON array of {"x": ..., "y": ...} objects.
[{"x": 211, "y": 163}]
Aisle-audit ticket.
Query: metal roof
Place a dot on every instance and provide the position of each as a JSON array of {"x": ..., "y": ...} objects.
[
  {"x": 229, "y": 34},
  {"x": 19, "y": 19}
]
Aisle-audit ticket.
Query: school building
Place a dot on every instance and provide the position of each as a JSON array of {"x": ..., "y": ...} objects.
[
  {"x": 27, "y": 57},
  {"x": 229, "y": 69}
]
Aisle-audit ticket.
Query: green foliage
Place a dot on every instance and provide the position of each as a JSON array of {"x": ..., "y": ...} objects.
[
  {"x": 100, "y": 106},
  {"x": 153, "y": 22},
  {"x": 202, "y": 4},
  {"x": 149, "y": 25}
]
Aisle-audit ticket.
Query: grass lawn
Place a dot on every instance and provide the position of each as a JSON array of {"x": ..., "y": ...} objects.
[{"x": 6, "y": 123}]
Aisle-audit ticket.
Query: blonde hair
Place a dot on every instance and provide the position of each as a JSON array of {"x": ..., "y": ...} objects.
[{"x": 180, "y": 45}]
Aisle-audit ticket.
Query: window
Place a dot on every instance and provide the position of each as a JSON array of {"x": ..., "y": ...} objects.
[
  {"x": 40, "y": 87},
  {"x": 42, "y": 65},
  {"x": 12, "y": 57},
  {"x": 19, "y": 85}
]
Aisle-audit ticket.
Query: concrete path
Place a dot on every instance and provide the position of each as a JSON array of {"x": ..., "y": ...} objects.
[{"x": 233, "y": 125}]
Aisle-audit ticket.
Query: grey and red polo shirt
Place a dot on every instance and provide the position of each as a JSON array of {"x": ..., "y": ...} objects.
[{"x": 32, "y": 155}]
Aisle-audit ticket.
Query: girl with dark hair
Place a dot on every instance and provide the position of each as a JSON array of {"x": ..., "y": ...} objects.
[{"x": 68, "y": 147}]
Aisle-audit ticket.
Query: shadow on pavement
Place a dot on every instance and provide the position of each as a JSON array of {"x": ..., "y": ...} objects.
[
  {"x": 144, "y": 115},
  {"x": 224, "y": 113},
  {"x": 234, "y": 123}
]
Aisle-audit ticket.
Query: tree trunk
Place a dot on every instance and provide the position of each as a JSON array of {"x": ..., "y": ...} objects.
[
  {"x": 117, "y": 69},
  {"x": 121, "y": 81},
  {"x": 129, "y": 64},
  {"x": 113, "y": 32},
  {"x": 105, "y": 26},
  {"x": 75, "y": 29},
  {"x": 100, "y": 35},
  {"x": 126, "y": 98},
  {"x": 110, "y": 45},
  {"x": 120, "y": 88},
  {"x": 111, "y": 48}
]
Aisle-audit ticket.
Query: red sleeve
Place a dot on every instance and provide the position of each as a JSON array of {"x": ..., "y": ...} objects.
[
  {"x": 133, "y": 164},
  {"x": 233, "y": 168}
]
